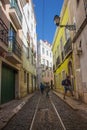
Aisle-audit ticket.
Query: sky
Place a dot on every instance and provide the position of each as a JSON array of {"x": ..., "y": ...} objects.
[{"x": 45, "y": 10}]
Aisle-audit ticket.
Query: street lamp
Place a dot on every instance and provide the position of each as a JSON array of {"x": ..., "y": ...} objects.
[{"x": 57, "y": 22}]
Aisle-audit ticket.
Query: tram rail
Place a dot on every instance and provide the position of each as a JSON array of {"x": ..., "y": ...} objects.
[
  {"x": 57, "y": 114},
  {"x": 41, "y": 113}
]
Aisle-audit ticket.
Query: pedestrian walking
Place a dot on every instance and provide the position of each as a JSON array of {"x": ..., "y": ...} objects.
[
  {"x": 42, "y": 88},
  {"x": 47, "y": 89},
  {"x": 67, "y": 86}
]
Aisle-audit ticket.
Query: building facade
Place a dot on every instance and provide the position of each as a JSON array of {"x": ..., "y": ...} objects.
[
  {"x": 44, "y": 62},
  {"x": 10, "y": 50},
  {"x": 78, "y": 15},
  {"x": 74, "y": 61},
  {"x": 13, "y": 72},
  {"x": 62, "y": 52},
  {"x": 28, "y": 69}
]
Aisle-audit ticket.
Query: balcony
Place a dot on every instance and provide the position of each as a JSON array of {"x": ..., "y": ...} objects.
[
  {"x": 10, "y": 49},
  {"x": 14, "y": 50},
  {"x": 3, "y": 37},
  {"x": 15, "y": 14},
  {"x": 68, "y": 47}
]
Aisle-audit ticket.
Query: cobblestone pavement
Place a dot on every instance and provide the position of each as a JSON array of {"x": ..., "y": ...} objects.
[
  {"x": 74, "y": 104},
  {"x": 46, "y": 118},
  {"x": 22, "y": 120},
  {"x": 8, "y": 110},
  {"x": 71, "y": 118}
]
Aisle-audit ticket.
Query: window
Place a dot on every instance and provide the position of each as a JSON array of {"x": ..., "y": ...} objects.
[
  {"x": 32, "y": 27},
  {"x": 85, "y": 5},
  {"x": 50, "y": 54},
  {"x": 43, "y": 51},
  {"x": 50, "y": 64},
  {"x": 55, "y": 55},
  {"x": 47, "y": 52},
  {"x": 78, "y": 2},
  {"x": 48, "y": 73},
  {"x": 47, "y": 63},
  {"x": 59, "y": 79},
  {"x": 27, "y": 52},
  {"x": 67, "y": 34},
  {"x": 51, "y": 74},
  {"x": 44, "y": 74},
  {"x": 61, "y": 44},
  {"x": 12, "y": 31},
  {"x": 24, "y": 76},
  {"x": 28, "y": 14},
  {"x": 43, "y": 61},
  {"x": 12, "y": 38},
  {"x": 57, "y": 50}
]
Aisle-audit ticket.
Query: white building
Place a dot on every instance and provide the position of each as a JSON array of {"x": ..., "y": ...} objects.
[
  {"x": 44, "y": 62},
  {"x": 29, "y": 47}
]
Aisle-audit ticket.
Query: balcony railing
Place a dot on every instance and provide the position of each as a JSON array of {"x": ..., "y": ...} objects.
[
  {"x": 68, "y": 46},
  {"x": 16, "y": 7},
  {"x": 3, "y": 32},
  {"x": 15, "y": 46}
]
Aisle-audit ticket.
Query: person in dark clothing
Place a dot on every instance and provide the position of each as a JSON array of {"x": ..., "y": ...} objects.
[
  {"x": 67, "y": 86},
  {"x": 47, "y": 89},
  {"x": 42, "y": 87}
]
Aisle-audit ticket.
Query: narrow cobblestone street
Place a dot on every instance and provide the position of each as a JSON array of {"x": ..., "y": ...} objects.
[
  {"x": 43, "y": 68},
  {"x": 39, "y": 114}
]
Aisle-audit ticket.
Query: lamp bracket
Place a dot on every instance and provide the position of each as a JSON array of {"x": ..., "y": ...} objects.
[{"x": 69, "y": 27}]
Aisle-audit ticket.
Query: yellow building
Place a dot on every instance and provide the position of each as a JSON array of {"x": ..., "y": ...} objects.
[{"x": 62, "y": 51}]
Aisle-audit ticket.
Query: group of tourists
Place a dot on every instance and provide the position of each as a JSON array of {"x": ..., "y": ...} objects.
[{"x": 45, "y": 87}]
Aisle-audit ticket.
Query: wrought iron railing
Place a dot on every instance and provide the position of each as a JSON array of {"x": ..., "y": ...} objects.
[
  {"x": 3, "y": 32},
  {"x": 15, "y": 46}
]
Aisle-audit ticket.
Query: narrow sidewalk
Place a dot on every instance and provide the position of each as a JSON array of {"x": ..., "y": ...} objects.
[
  {"x": 8, "y": 110},
  {"x": 75, "y": 104}
]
